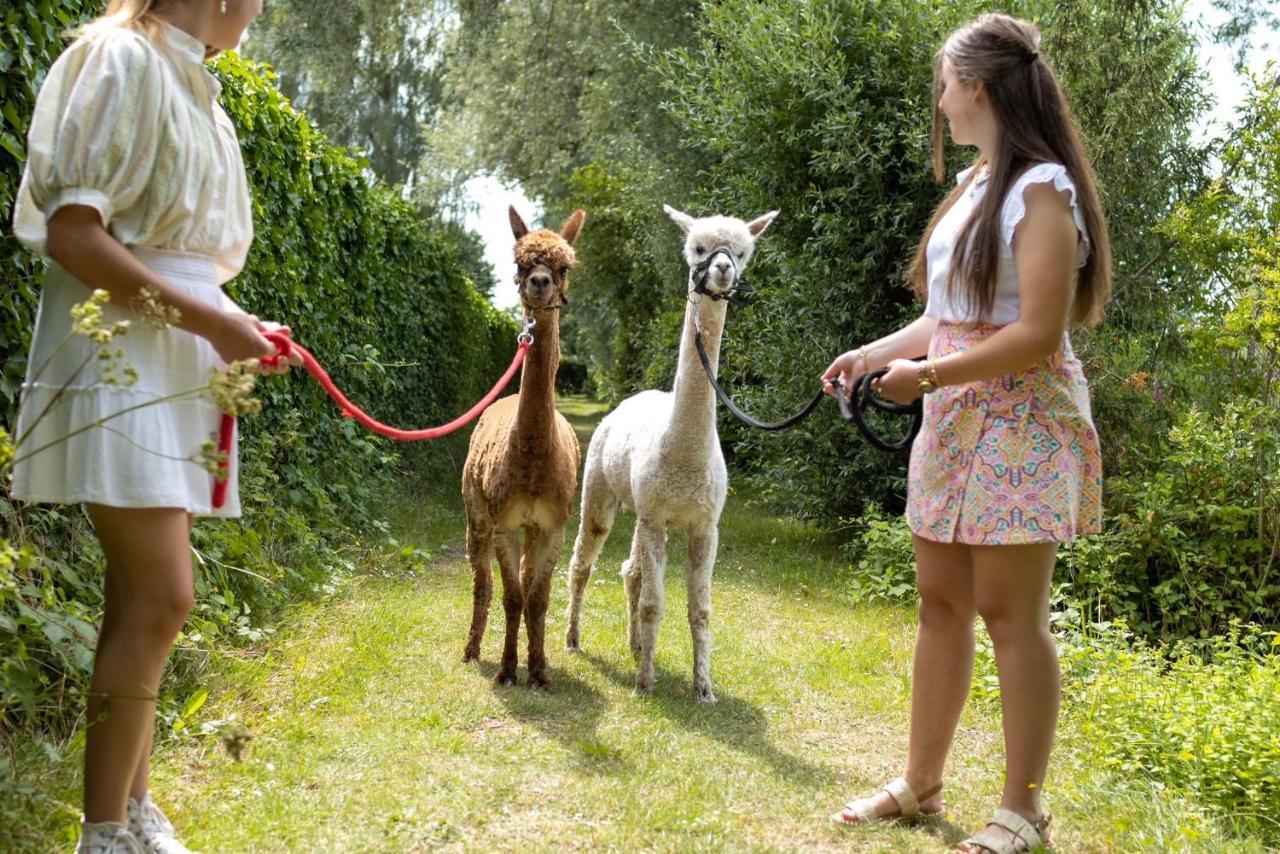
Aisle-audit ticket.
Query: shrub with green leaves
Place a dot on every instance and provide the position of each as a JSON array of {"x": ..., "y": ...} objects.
[{"x": 1201, "y": 724}]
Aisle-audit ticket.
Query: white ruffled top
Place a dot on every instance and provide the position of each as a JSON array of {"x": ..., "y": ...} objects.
[
  {"x": 943, "y": 240},
  {"x": 131, "y": 126}
]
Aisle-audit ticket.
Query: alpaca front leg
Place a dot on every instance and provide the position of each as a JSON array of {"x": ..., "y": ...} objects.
[
  {"x": 648, "y": 559},
  {"x": 596, "y": 524},
  {"x": 480, "y": 554},
  {"x": 535, "y": 578},
  {"x": 702, "y": 559},
  {"x": 512, "y": 602}
]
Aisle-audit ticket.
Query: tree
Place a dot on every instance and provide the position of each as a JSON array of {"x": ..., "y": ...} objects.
[{"x": 368, "y": 74}]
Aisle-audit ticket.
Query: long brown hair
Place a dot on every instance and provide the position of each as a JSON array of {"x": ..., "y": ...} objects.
[{"x": 1036, "y": 126}]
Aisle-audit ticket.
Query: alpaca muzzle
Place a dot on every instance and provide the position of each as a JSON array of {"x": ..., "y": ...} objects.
[{"x": 701, "y": 276}]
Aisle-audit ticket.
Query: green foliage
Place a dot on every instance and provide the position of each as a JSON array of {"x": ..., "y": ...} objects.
[
  {"x": 1195, "y": 723},
  {"x": 362, "y": 280},
  {"x": 31, "y": 37},
  {"x": 1184, "y": 551},
  {"x": 368, "y": 74},
  {"x": 882, "y": 558}
]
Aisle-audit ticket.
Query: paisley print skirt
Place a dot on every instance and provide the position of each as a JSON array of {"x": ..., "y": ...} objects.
[{"x": 1009, "y": 460}]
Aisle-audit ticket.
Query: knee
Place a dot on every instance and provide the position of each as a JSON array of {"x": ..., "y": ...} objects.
[
  {"x": 160, "y": 614},
  {"x": 942, "y": 613},
  {"x": 650, "y": 610},
  {"x": 699, "y": 616},
  {"x": 1005, "y": 624}
]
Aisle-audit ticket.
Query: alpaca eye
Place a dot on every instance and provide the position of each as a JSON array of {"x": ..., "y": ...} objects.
[{"x": 701, "y": 251}]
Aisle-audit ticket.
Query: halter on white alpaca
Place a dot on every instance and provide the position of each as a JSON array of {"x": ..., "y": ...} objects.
[{"x": 659, "y": 454}]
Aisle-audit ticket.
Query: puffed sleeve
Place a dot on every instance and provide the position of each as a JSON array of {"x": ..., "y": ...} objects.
[
  {"x": 94, "y": 132},
  {"x": 1015, "y": 206}
]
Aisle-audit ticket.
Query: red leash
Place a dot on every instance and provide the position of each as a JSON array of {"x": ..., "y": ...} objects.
[{"x": 285, "y": 346}]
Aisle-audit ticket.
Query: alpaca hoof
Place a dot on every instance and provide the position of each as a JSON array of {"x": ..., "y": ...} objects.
[
  {"x": 504, "y": 677},
  {"x": 704, "y": 694},
  {"x": 644, "y": 687},
  {"x": 571, "y": 642},
  {"x": 469, "y": 655},
  {"x": 539, "y": 682}
]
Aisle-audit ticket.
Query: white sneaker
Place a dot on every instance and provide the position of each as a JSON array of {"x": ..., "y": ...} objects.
[
  {"x": 153, "y": 829},
  {"x": 107, "y": 837}
]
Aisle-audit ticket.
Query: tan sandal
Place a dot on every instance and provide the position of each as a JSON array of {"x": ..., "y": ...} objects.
[
  {"x": 1026, "y": 836},
  {"x": 863, "y": 810}
]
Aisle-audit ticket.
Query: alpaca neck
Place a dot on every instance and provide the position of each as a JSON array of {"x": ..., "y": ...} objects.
[
  {"x": 536, "y": 411},
  {"x": 694, "y": 410}
]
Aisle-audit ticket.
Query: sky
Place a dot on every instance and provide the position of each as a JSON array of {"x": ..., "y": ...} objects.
[{"x": 490, "y": 197}]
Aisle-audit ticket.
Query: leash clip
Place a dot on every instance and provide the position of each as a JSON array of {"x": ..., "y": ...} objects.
[{"x": 526, "y": 336}]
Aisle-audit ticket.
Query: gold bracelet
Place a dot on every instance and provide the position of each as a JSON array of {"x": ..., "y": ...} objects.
[{"x": 927, "y": 378}]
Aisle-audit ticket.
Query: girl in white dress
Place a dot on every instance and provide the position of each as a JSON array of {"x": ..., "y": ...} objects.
[{"x": 134, "y": 181}]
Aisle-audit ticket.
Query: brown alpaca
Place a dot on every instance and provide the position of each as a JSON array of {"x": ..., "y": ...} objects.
[{"x": 522, "y": 465}]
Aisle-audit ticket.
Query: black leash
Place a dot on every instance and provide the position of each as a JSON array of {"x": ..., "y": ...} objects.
[{"x": 864, "y": 397}]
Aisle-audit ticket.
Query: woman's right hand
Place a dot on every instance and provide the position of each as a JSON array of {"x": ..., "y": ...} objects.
[
  {"x": 847, "y": 367},
  {"x": 239, "y": 336}
]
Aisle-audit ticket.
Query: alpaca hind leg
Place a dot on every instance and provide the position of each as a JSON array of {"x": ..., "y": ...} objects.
[
  {"x": 542, "y": 547},
  {"x": 597, "y": 521},
  {"x": 480, "y": 554},
  {"x": 512, "y": 602},
  {"x": 648, "y": 557},
  {"x": 702, "y": 559}
]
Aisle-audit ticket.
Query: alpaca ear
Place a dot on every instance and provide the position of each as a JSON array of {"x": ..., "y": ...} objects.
[
  {"x": 518, "y": 228},
  {"x": 572, "y": 225},
  {"x": 759, "y": 224},
  {"x": 681, "y": 219}
]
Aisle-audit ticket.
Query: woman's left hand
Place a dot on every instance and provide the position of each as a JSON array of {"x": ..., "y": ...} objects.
[{"x": 901, "y": 384}]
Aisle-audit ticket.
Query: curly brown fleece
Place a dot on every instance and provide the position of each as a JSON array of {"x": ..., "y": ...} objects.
[{"x": 545, "y": 246}]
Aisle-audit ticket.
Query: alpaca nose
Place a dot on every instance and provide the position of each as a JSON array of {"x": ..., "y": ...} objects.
[
  {"x": 723, "y": 267},
  {"x": 540, "y": 281}
]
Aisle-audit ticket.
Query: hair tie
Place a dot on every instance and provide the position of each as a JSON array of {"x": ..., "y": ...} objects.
[{"x": 1031, "y": 57}]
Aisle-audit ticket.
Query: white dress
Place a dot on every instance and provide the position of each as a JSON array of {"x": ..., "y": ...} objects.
[{"x": 130, "y": 126}]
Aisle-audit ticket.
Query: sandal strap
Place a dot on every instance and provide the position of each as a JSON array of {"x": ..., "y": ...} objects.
[
  {"x": 860, "y": 809},
  {"x": 1009, "y": 821},
  {"x": 989, "y": 840},
  {"x": 900, "y": 790},
  {"x": 1018, "y": 826}
]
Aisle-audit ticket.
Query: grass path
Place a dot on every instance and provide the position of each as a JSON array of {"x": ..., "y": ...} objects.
[{"x": 371, "y": 735}]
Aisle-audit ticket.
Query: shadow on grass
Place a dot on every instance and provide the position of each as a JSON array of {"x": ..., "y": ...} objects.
[
  {"x": 733, "y": 721},
  {"x": 568, "y": 712}
]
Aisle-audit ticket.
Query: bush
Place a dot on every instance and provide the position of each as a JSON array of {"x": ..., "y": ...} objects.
[{"x": 1196, "y": 723}]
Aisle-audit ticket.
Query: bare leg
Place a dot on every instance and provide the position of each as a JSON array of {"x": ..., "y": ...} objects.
[
  {"x": 541, "y": 550},
  {"x": 480, "y": 553},
  {"x": 702, "y": 559},
  {"x": 942, "y": 668},
  {"x": 150, "y": 595},
  {"x": 512, "y": 601},
  {"x": 648, "y": 559},
  {"x": 1012, "y": 595},
  {"x": 597, "y": 521}
]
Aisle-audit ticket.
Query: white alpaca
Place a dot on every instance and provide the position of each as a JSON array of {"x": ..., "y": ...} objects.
[{"x": 659, "y": 454}]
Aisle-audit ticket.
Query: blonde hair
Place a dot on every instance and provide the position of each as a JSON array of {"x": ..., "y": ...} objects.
[{"x": 138, "y": 14}]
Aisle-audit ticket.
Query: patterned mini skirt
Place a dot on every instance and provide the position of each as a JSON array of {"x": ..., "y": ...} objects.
[{"x": 1009, "y": 460}]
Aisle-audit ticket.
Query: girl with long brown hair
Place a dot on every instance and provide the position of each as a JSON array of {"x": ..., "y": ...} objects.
[
  {"x": 134, "y": 184},
  {"x": 1007, "y": 465}
]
